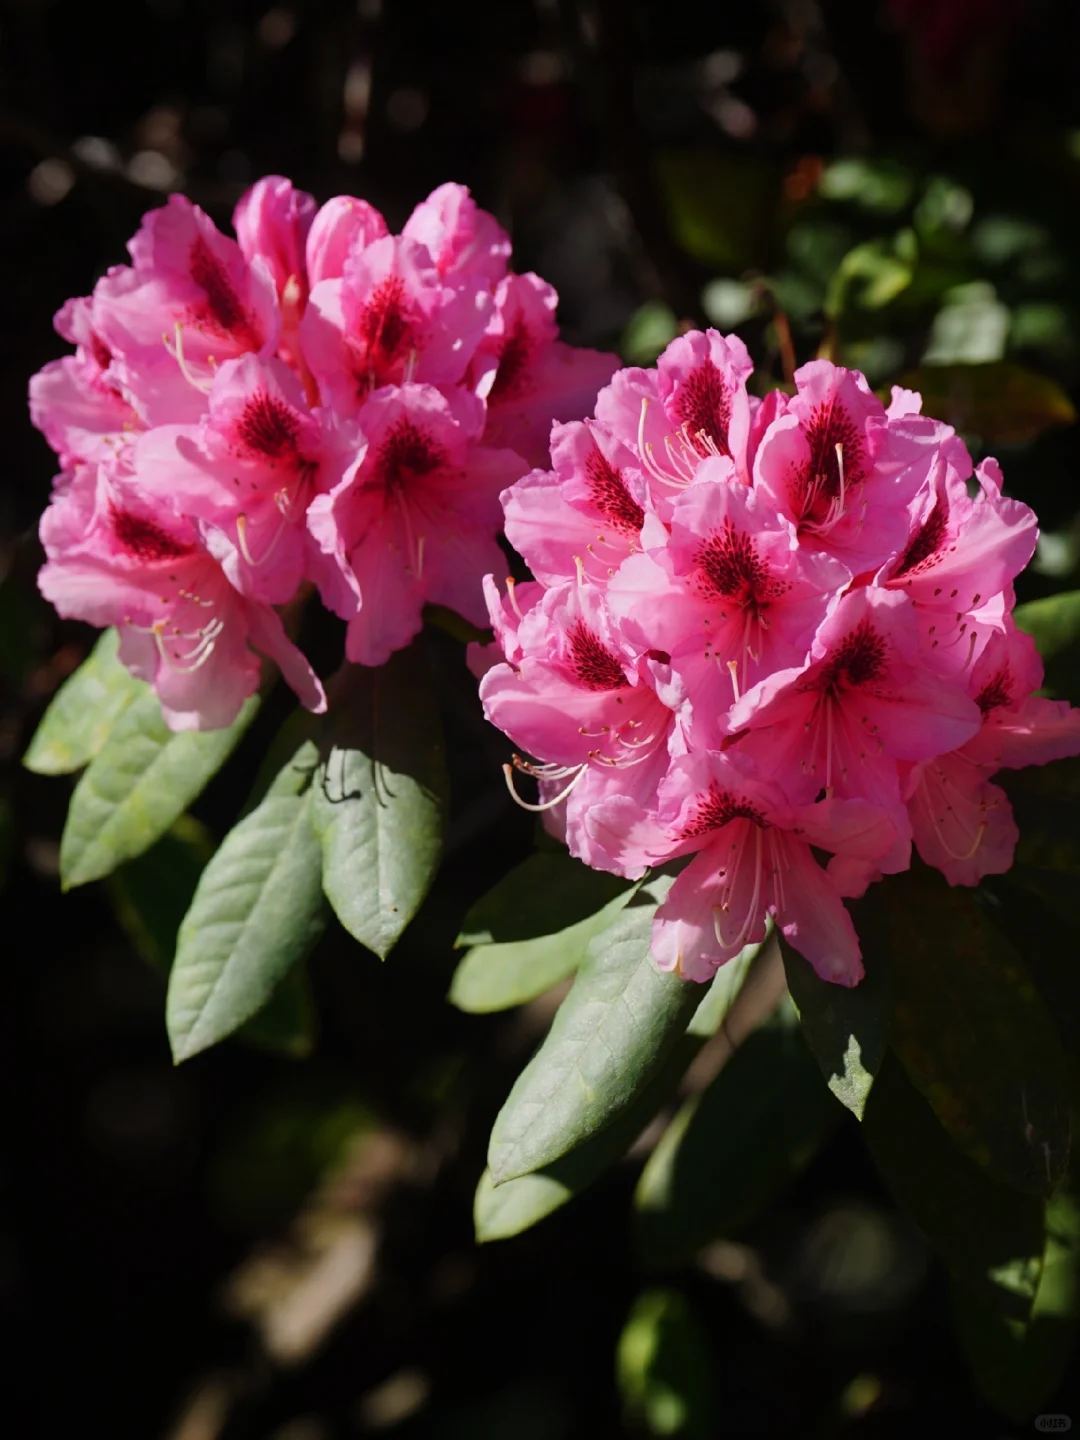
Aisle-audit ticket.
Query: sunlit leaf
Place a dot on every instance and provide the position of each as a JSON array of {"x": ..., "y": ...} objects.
[
  {"x": 83, "y": 711},
  {"x": 144, "y": 777},
  {"x": 379, "y": 799},
  {"x": 665, "y": 1368},
  {"x": 256, "y": 912}
]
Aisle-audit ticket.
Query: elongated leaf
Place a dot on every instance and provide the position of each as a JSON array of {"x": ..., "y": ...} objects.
[
  {"x": 989, "y": 1235},
  {"x": 846, "y": 1029},
  {"x": 610, "y": 1035},
  {"x": 151, "y": 894},
  {"x": 732, "y": 1148},
  {"x": 1037, "y": 910},
  {"x": 542, "y": 896},
  {"x": 972, "y": 1032},
  {"x": 135, "y": 787},
  {"x": 83, "y": 711},
  {"x": 500, "y": 1211},
  {"x": 496, "y": 976},
  {"x": 1017, "y": 1366},
  {"x": 256, "y": 912},
  {"x": 380, "y": 797}
]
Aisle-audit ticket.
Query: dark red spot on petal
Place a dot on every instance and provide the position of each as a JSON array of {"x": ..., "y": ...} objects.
[
  {"x": 515, "y": 353},
  {"x": 996, "y": 693},
  {"x": 100, "y": 351},
  {"x": 718, "y": 808},
  {"x": 594, "y": 664},
  {"x": 702, "y": 403},
  {"x": 610, "y": 495},
  {"x": 145, "y": 540},
  {"x": 821, "y": 483},
  {"x": 924, "y": 545},
  {"x": 388, "y": 329},
  {"x": 406, "y": 453},
  {"x": 859, "y": 659},
  {"x": 223, "y": 312},
  {"x": 268, "y": 426},
  {"x": 730, "y": 568}
]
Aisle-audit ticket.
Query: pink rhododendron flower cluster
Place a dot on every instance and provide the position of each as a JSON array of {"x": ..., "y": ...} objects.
[
  {"x": 774, "y": 634},
  {"x": 316, "y": 401}
]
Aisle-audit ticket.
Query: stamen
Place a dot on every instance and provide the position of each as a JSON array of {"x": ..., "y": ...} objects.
[
  {"x": 508, "y": 773},
  {"x": 176, "y": 350}
]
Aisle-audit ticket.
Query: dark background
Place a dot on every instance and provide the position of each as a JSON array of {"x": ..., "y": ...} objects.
[{"x": 171, "y": 1239}]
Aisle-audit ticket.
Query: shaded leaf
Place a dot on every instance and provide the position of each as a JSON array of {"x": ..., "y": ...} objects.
[
  {"x": 608, "y": 1039},
  {"x": 83, "y": 711},
  {"x": 1016, "y": 1366},
  {"x": 989, "y": 1235},
  {"x": 1054, "y": 624},
  {"x": 1002, "y": 402},
  {"x": 972, "y": 1032},
  {"x": 846, "y": 1029},
  {"x": 665, "y": 1368},
  {"x": 732, "y": 1148},
  {"x": 532, "y": 930},
  {"x": 500, "y": 1211},
  {"x": 286, "y": 1023},
  {"x": 380, "y": 797},
  {"x": 257, "y": 910},
  {"x": 144, "y": 777},
  {"x": 151, "y": 894}
]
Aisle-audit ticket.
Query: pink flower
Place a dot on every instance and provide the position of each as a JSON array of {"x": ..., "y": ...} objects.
[
  {"x": 390, "y": 319},
  {"x": 583, "y": 703},
  {"x": 464, "y": 241},
  {"x": 839, "y": 724},
  {"x": 248, "y": 471},
  {"x": 694, "y": 405},
  {"x": 413, "y": 520},
  {"x": 190, "y": 302},
  {"x": 74, "y": 402},
  {"x": 960, "y": 556},
  {"x": 341, "y": 225},
  {"x": 728, "y": 595},
  {"x": 528, "y": 377},
  {"x": 589, "y": 506},
  {"x": 840, "y": 470},
  {"x": 272, "y": 222},
  {"x": 116, "y": 556},
  {"x": 962, "y": 823},
  {"x": 755, "y": 860}
]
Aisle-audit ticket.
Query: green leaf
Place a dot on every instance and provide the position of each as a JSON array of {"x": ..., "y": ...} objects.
[
  {"x": 608, "y": 1039},
  {"x": 845, "y": 1028},
  {"x": 83, "y": 711},
  {"x": 989, "y": 1235},
  {"x": 286, "y": 1023},
  {"x": 665, "y": 1368},
  {"x": 1001, "y": 402},
  {"x": 150, "y": 895},
  {"x": 532, "y": 930},
  {"x": 1017, "y": 1367},
  {"x": 456, "y": 626},
  {"x": 972, "y": 1032},
  {"x": 1053, "y": 623},
  {"x": 501, "y": 1211},
  {"x": 735, "y": 1146},
  {"x": 144, "y": 777},
  {"x": 651, "y": 327},
  {"x": 256, "y": 912},
  {"x": 380, "y": 798}
]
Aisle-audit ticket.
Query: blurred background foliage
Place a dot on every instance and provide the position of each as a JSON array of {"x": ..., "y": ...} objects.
[{"x": 276, "y": 1239}]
